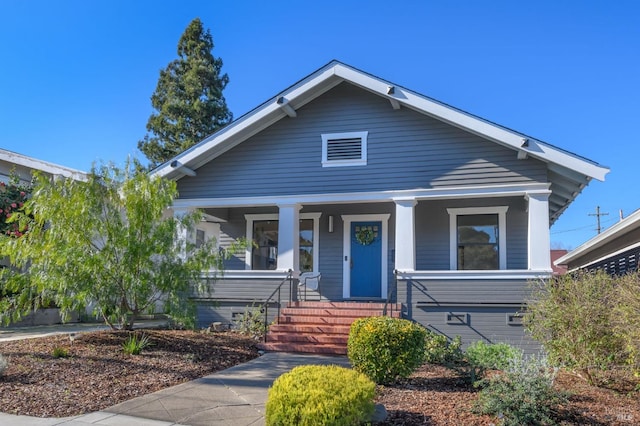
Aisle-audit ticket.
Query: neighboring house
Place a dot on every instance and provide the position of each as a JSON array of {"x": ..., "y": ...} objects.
[
  {"x": 23, "y": 166},
  {"x": 356, "y": 177},
  {"x": 555, "y": 255},
  {"x": 12, "y": 163},
  {"x": 616, "y": 250}
]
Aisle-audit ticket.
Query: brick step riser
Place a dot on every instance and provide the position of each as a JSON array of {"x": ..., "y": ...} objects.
[
  {"x": 310, "y": 329},
  {"x": 304, "y": 348},
  {"x": 313, "y": 320},
  {"x": 334, "y": 339}
]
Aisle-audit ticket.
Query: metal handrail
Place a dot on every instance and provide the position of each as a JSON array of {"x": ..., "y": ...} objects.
[
  {"x": 390, "y": 293},
  {"x": 288, "y": 278}
]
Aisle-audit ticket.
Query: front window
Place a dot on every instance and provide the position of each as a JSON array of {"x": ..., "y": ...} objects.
[
  {"x": 264, "y": 254},
  {"x": 478, "y": 238},
  {"x": 263, "y": 230},
  {"x": 478, "y": 242}
]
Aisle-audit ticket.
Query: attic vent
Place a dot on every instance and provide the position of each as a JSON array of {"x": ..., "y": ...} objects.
[{"x": 344, "y": 149}]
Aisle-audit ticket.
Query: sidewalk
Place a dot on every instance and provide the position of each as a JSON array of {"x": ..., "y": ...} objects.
[
  {"x": 235, "y": 396},
  {"x": 28, "y": 332}
]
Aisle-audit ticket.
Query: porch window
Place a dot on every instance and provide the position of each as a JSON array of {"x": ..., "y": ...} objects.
[
  {"x": 478, "y": 238},
  {"x": 263, "y": 230},
  {"x": 264, "y": 254},
  {"x": 478, "y": 241}
]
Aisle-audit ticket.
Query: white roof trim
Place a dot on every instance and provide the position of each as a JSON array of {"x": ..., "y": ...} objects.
[
  {"x": 630, "y": 222},
  {"x": 484, "y": 191},
  {"x": 336, "y": 72},
  {"x": 43, "y": 166}
]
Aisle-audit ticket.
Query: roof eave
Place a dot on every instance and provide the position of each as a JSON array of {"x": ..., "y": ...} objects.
[{"x": 630, "y": 222}]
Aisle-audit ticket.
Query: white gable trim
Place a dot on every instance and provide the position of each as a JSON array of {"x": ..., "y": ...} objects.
[
  {"x": 43, "y": 166},
  {"x": 333, "y": 74}
]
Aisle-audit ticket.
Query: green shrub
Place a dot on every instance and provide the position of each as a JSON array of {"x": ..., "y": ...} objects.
[
  {"x": 386, "y": 348},
  {"x": 522, "y": 395},
  {"x": 60, "y": 352},
  {"x": 626, "y": 317},
  {"x": 251, "y": 323},
  {"x": 134, "y": 344},
  {"x": 320, "y": 395},
  {"x": 496, "y": 356},
  {"x": 440, "y": 350},
  {"x": 4, "y": 364},
  {"x": 571, "y": 316}
]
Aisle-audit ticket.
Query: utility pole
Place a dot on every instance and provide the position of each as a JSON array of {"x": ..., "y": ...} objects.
[{"x": 597, "y": 214}]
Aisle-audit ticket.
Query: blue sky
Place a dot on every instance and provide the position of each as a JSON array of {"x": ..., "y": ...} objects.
[{"x": 77, "y": 76}]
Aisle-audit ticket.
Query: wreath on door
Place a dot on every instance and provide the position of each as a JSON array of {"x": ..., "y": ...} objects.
[{"x": 365, "y": 236}]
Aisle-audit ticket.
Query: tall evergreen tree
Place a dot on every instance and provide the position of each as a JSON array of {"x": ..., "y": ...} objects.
[{"x": 188, "y": 99}]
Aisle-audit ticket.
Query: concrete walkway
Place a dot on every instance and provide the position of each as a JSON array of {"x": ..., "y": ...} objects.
[{"x": 235, "y": 396}]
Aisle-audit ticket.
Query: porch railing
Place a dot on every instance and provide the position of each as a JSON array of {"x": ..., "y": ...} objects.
[
  {"x": 389, "y": 305},
  {"x": 278, "y": 300}
]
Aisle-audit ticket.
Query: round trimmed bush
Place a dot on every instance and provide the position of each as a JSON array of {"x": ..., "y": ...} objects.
[
  {"x": 386, "y": 348},
  {"x": 320, "y": 395}
]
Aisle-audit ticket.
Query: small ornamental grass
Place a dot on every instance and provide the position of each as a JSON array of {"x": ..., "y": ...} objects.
[
  {"x": 60, "y": 352},
  {"x": 386, "y": 348},
  {"x": 4, "y": 364},
  {"x": 134, "y": 344},
  {"x": 320, "y": 395}
]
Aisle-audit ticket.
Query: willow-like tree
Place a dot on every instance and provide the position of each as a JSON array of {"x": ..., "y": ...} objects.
[
  {"x": 188, "y": 100},
  {"x": 106, "y": 243}
]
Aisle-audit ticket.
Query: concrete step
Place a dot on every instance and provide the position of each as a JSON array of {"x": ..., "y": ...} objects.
[
  {"x": 338, "y": 305},
  {"x": 331, "y": 312}
]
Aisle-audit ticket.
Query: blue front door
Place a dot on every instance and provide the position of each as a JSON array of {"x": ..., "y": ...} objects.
[{"x": 366, "y": 258}]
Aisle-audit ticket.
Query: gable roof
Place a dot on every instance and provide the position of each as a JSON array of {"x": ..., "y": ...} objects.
[
  {"x": 27, "y": 163},
  {"x": 568, "y": 173},
  {"x": 597, "y": 243}
]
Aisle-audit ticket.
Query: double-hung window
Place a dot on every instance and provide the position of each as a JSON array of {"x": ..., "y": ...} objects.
[
  {"x": 478, "y": 238},
  {"x": 262, "y": 229}
]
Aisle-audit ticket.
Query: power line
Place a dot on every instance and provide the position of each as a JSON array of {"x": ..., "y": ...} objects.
[{"x": 581, "y": 227}]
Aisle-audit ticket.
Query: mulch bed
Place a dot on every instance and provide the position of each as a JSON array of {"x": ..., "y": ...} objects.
[{"x": 97, "y": 374}]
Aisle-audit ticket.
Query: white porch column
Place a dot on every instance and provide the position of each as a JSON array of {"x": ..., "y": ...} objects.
[
  {"x": 182, "y": 232},
  {"x": 539, "y": 239},
  {"x": 405, "y": 244},
  {"x": 289, "y": 237}
]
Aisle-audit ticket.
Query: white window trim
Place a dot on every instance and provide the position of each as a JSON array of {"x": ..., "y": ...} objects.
[
  {"x": 210, "y": 229},
  {"x": 347, "y": 135},
  {"x": 501, "y": 211},
  {"x": 250, "y": 218}
]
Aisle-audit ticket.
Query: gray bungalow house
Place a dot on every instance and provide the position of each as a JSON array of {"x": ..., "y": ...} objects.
[{"x": 390, "y": 195}]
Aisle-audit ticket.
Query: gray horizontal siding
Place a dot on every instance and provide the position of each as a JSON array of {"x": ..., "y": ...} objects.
[
  {"x": 432, "y": 230},
  {"x": 477, "y": 301},
  {"x": 405, "y": 150},
  {"x": 462, "y": 291},
  {"x": 486, "y": 324}
]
